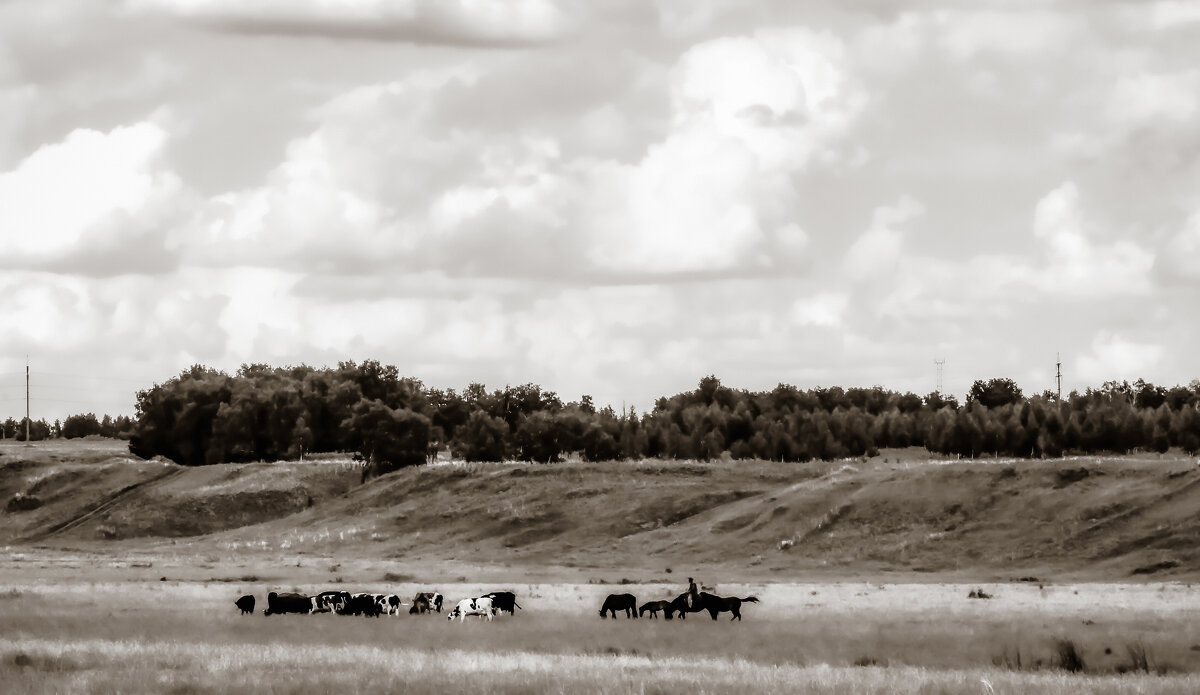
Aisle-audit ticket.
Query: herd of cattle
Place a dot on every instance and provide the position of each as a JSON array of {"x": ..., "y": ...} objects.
[
  {"x": 375, "y": 605},
  {"x": 487, "y": 606}
]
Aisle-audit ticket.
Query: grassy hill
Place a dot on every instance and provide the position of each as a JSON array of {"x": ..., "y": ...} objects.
[{"x": 901, "y": 512}]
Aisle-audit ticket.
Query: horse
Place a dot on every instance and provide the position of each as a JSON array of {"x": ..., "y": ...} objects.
[
  {"x": 712, "y": 604},
  {"x": 654, "y": 607},
  {"x": 619, "y": 602}
]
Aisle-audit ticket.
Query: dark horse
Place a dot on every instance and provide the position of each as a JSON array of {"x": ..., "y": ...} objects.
[
  {"x": 654, "y": 607},
  {"x": 619, "y": 602},
  {"x": 712, "y": 604}
]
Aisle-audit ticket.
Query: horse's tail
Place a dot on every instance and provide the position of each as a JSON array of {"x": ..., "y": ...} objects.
[
  {"x": 517, "y": 604},
  {"x": 750, "y": 599}
]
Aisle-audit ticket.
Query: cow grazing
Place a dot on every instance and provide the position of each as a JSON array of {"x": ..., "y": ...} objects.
[
  {"x": 504, "y": 602},
  {"x": 392, "y": 604},
  {"x": 246, "y": 604},
  {"x": 426, "y": 601},
  {"x": 472, "y": 606},
  {"x": 619, "y": 602},
  {"x": 327, "y": 601},
  {"x": 654, "y": 607},
  {"x": 278, "y": 604},
  {"x": 360, "y": 604}
]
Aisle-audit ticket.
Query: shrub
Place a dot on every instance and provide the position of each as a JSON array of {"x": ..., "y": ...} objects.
[
  {"x": 1069, "y": 658},
  {"x": 21, "y": 502}
]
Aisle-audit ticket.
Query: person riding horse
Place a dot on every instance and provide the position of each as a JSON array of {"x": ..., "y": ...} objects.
[{"x": 693, "y": 594}]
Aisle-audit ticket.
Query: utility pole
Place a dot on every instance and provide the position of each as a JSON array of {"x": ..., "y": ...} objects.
[
  {"x": 1058, "y": 372},
  {"x": 27, "y": 400},
  {"x": 940, "y": 365}
]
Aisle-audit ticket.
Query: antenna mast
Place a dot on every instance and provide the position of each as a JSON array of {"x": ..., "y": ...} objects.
[
  {"x": 1058, "y": 372},
  {"x": 940, "y": 365},
  {"x": 26, "y": 400}
]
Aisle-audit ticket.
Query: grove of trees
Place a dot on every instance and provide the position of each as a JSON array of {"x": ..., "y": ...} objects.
[
  {"x": 206, "y": 416},
  {"x": 73, "y": 427}
]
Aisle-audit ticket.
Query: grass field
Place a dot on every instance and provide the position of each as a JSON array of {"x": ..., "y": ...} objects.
[
  {"x": 122, "y": 576},
  {"x": 61, "y": 631}
]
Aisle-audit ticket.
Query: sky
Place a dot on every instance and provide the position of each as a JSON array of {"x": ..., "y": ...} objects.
[{"x": 613, "y": 198}]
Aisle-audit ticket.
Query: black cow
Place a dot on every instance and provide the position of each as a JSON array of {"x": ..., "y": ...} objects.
[
  {"x": 619, "y": 602},
  {"x": 246, "y": 604},
  {"x": 288, "y": 603},
  {"x": 360, "y": 604},
  {"x": 504, "y": 601}
]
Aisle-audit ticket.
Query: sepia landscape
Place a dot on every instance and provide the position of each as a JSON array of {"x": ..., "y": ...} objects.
[{"x": 664, "y": 347}]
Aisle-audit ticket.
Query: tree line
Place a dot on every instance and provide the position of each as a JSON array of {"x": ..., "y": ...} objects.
[
  {"x": 206, "y": 416},
  {"x": 75, "y": 426}
]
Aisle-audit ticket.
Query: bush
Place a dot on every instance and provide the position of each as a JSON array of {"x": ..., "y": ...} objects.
[
  {"x": 1069, "y": 658},
  {"x": 21, "y": 502}
]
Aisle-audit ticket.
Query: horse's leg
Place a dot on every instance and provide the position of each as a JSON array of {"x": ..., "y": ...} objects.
[{"x": 713, "y": 612}]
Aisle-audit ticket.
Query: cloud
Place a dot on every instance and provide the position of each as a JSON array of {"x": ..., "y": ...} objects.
[
  {"x": 1112, "y": 357},
  {"x": 450, "y": 22},
  {"x": 823, "y": 309},
  {"x": 1076, "y": 264},
  {"x": 1014, "y": 33},
  {"x": 97, "y": 203},
  {"x": 747, "y": 114},
  {"x": 880, "y": 247},
  {"x": 1182, "y": 257}
]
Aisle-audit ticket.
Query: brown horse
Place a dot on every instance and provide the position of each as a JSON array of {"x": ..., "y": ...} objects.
[
  {"x": 712, "y": 604},
  {"x": 654, "y": 607}
]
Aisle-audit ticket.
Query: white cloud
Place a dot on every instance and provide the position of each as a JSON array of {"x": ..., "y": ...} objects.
[
  {"x": 823, "y": 309},
  {"x": 93, "y": 190},
  {"x": 747, "y": 114},
  {"x": 1112, "y": 357},
  {"x": 881, "y": 246},
  {"x": 1182, "y": 257},
  {"x": 1078, "y": 265},
  {"x": 966, "y": 34},
  {"x": 1148, "y": 99}
]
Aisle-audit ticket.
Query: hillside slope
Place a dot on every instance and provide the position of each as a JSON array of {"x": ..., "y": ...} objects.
[{"x": 1091, "y": 518}]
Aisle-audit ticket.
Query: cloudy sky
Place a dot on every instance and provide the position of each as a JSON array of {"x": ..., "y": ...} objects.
[{"x": 613, "y": 198}]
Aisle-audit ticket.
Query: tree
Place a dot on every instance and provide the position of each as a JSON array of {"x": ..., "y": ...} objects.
[
  {"x": 994, "y": 393},
  {"x": 483, "y": 438},
  {"x": 76, "y": 426},
  {"x": 537, "y": 437},
  {"x": 388, "y": 438}
]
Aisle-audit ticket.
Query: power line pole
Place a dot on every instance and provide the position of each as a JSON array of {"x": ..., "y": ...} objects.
[
  {"x": 1058, "y": 372},
  {"x": 26, "y": 400},
  {"x": 940, "y": 365}
]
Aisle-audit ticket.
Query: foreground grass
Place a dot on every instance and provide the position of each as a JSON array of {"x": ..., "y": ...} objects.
[
  {"x": 44, "y": 665},
  {"x": 73, "y": 636}
]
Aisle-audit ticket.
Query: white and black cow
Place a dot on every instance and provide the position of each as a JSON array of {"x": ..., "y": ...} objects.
[
  {"x": 392, "y": 604},
  {"x": 327, "y": 601},
  {"x": 472, "y": 606}
]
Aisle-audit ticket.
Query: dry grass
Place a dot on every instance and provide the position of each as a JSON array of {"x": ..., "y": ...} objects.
[{"x": 70, "y": 636}]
